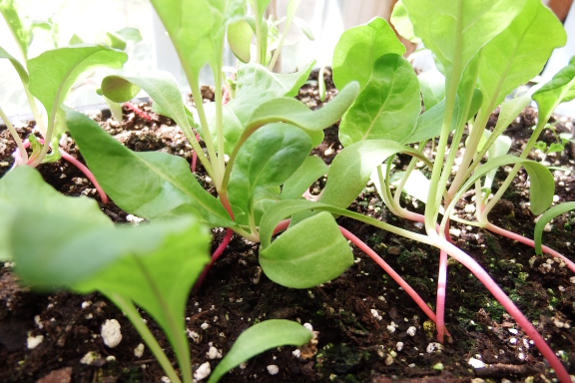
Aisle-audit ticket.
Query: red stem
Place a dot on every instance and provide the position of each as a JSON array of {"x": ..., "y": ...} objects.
[
  {"x": 219, "y": 251},
  {"x": 195, "y": 156},
  {"x": 138, "y": 111},
  {"x": 529, "y": 242}
]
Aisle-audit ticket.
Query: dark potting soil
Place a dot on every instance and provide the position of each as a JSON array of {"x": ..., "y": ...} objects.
[{"x": 365, "y": 321}]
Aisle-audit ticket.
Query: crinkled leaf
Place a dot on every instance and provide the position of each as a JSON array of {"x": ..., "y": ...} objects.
[
  {"x": 53, "y": 73},
  {"x": 402, "y": 24},
  {"x": 542, "y": 185},
  {"x": 240, "y": 39},
  {"x": 519, "y": 53},
  {"x": 359, "y": 48},
  {"x": 352, "y": 167},
  {"x": 16, "y": 64},
  {"x": 21, "y": 27},
  {"x": 456, "y": 30},
  {"x": 312, "y": 252},
  {"x": 148, "y": 184},
  {"x": 560, "y": 89},
  {"x": 267, "y": 159},
  {"x": 260, "y": 337},
  {"x": 304, "y": 177},
  {"x": 388, "y": 106},
  {"x": 432, "y": 87},
  {"x": 553, "y": 212}
]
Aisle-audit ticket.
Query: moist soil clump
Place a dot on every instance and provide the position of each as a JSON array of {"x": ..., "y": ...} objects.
[{"x": 369, "y": 330}]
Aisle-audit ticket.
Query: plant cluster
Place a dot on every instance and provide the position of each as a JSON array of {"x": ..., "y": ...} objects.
[{"x": 256, "y": 150}]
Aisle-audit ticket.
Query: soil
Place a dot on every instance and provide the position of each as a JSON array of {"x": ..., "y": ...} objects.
[{"x": 354, "y": 344}]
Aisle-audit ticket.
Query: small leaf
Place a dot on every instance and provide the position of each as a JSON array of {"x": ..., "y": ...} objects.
[
  {"x": 115, "y": 41},
  {"x": 432, "y": 87},
  {"x": 401, "y": 23},
  {"x": 119, "y": 89},
  {"x": 417, "y": 184},
  {"x": 560, "y": 89},
  {"x": 260, "y": 337},
  {"x": 352, "y": 167},
  {"x": 75, "y": 40},
  {"x": 130, "y": 34},
  {"x": 240, "y": 39},
  {"x": 304, "y": 27},
  {"x": 304, "y": 177},
  {"x": 20, "y": 27},
  {"x": 553, "y": 212},
  {"x": 312, "y": 252},
  {"x": 359, "y": 48},
  {"x": 388, "y": 106},
  {"x": 16, "y": 64},
  {"x": 148, "y": 184},
  {"x": 267, "y": 159}
]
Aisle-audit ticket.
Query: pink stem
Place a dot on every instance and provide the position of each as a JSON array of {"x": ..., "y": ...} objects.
[
  {"x": 504, "y": 300},
  {"x": 529, "y": 242},
  {"x": 138, "y": 111},
  {"x": 440, "y": 299},
  {"x": 80, "y": 166},
  {"x": 195, "y": 156},
  {"x": 219, "y": 251}
]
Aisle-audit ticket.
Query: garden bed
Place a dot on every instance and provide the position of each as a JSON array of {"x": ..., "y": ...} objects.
[{"x": 366, "y": 323}]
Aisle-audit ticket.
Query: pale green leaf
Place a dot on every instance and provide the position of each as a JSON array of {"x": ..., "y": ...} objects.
[
  {"x": 17, "y": 65},
  {"x": 20, "y": 27},
  {"x": 401, "y": 23},
  {"x": 560, "y": 89},
  {"x": 432, "y": 87},
  {"x": 240, "y": 38},
  {"x": 553, "y": 212},
  {"x": 312, "y": 169}
]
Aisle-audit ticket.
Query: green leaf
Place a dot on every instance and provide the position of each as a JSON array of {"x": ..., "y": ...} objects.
[
  {"x": 388, "y": 106},
  {"x": 115, "y": 109},
  {"x": 352, "y": 167},
  {"x": 312, "y": 169},
  {"x": 560, "y": 89},
  {"x": 546, "y": 218},
  {"x": 148, "y": 184},
  {"x": 304, "y": 28},
  {"x": 53, "y": 73},
  {"x": 359, "y": 48},
  {"x": 519, "y": 53},
  {"x": 310, "y": 253},
  {"x": 260, "y": 337},
  {"x": 267, "y": 159},
  {"x": 17, "y": 65},
  {"x": 240, "y": 39},
  {"x": 456, "y": 30},
  {"x": 417, "y": 184},
  {"x": 130, "y": 34},
  {"x": 432, "y": 87},
  {"x": 542, "y": 183},
  {"x": 75, "y": 40},
  {"x": 21, "y": 28},
  {"x": 115, "y": 41},
  {"x": 119, "y": 89},
  {"x": 401, "y": 23},
  {"x": 262, "y": 5}
]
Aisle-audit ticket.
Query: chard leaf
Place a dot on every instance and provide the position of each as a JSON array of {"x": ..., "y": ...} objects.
[
  {"x": 401, "y": 23},
  {"x": 312, "y": 168},
  {"x": 115, "y": 41},
  {"x": 519, "y": 53},
  {"x": 21, "y": 27},
  {"x": 432, "y": 87},
  {"x": 262, "y": 5},
  {"x": 53, "y": 73},
  {"x": 267, "y": 159},
  {"x": 417, "y": 184},
  {"x": 352, "y": 167},
  {"x": 560, "y": 89},
  {"x": 240, "y": 39},
  {"x": 456, "y": 30},
  {"x": 388, "y": 106},
  {"x": 553, "y": 212},
  {"x": 304, "y": 28},
  {"x": 130, "y": 34},
  {"x": 359, "y": 48},
  {"x": 16, "y": 64},
  {"x": 148, "y": 184},
  {"x": 260, "y": 337},
  {"x": 542, "y": 185},
  {"x": 312, "y": 252}
]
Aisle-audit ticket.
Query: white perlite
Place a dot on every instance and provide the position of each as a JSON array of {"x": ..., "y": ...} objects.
[
  {"x": 434, "y": 346},
  {"x": 165, "y": 379},
  {"x": 376, "y": 315},
  {"x": 139, "y": 350},
  {"x": 411, "y": 331},
  {"x": 399, "y": 346},
  {"x": 476, "y": 363},
  {"x": 273, "y": 369},
  {"x": 205, "y": 326},
  {"x": 213, "y": 353},
  {"x": 111, "y": 333},
  {"x": 308, "y": 326},
  {"x": 33, "y": 341},
  {"x": 203, "y": 371},
  {"x": 90, "y": 358}
]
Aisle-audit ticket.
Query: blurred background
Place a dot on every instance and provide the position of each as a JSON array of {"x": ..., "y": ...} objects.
[{"x": 90, "y": 20}]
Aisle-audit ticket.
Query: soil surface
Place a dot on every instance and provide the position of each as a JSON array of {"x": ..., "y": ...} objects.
[{"x": 369, "y": 330}]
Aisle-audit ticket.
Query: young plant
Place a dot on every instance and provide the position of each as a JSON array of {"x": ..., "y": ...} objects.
[{"x": 154, "y": 265}]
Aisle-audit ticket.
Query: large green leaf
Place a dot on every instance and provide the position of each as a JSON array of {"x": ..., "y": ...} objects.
[
  {"x": 546, "y": 218},
  {"x": 148, "y": 184},
  {"x": 388, "y": 106},
  {"x": 519, "y": 53},
  {"x": 304, "y": 177},
  {"x": 16, "y": 64},
  {"x": 560, "y": 89},
  {"x": 312, "y": 252},
  {"x": 267, "y": 159},
  {"x": 21, "y": 28},
  {"x": 352, "y": 167},
  {"x": 456, "y": 30},
  {"x": 359, "y": 48},
  {"x": 53, "y": 73},
  {"x": 260, "y": 337}
]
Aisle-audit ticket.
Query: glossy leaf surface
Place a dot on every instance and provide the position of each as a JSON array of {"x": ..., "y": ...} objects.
[
  {"x": 310, "y": 253},
  {"x": 359, "y": 48}
]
